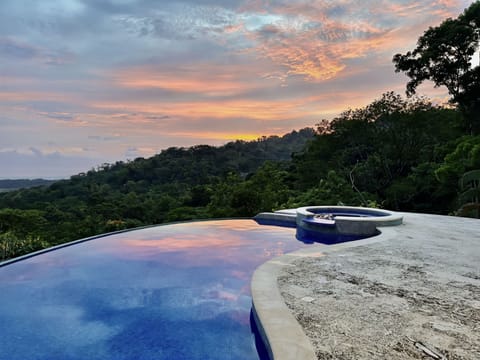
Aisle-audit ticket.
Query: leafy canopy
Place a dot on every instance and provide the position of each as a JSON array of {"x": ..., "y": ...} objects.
[{"x": 444, "y": 55}]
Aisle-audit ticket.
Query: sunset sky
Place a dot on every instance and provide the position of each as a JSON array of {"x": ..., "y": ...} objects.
[{"x": 84, "y": 82}]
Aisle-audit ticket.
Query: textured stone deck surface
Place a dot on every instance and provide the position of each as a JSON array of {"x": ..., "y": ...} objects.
[{"x": 414, "y": 294}]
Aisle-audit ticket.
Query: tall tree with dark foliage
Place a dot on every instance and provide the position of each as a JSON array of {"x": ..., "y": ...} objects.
[{"x": 444, "y": 55}]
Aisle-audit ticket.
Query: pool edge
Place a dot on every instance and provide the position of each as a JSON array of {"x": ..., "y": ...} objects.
[
  {"x": 67, "y": 244},
  {"x": 282, "y": 335},
  {"x": 98, "y": 236}
]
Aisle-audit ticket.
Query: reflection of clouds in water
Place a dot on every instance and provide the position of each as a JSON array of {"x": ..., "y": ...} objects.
[
  {"x": 67, "y": 324},
  {"x": 55, "y": 331},
  {"x": 230, "y": 225},
  {"x": 228, "y": 300},
  {"x": 241, "y": 275},
  {"x": 131, "y": 298},
  {"x": 177, "y": 298},
  {"x": 272, "y": 252},
  {"x": 201, "y": 243},
  {"x": 51, "y": 266},
  {"x": 119, "y": 294},
  {"x": 200, "y": 231},
  {"x": 186, "y": 242},
  {"x": 220, "y": 293},
  {"x": 203, "y": 303}
]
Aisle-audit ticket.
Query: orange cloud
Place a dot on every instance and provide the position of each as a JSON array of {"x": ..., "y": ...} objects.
[
  {"x": 22, "y": 96},
  {"x": 204, "y": 79},
  {"x": 318, "y": 52},
  {"x": 405, "y": 10},
  {"x": 439, "y": 9},
  {"x": 182, "y": 243},
  {"x": 231, "y": 29},
  {"x": 319, "y": 60},
  {"x": 208, "y": 135},
  {"x": 235, "y": 108}
]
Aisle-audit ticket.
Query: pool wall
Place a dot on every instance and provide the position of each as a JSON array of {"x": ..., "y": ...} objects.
[{"x": 281, "y": 333}]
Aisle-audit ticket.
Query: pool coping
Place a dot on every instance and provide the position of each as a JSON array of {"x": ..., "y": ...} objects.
[{"x": 281, "y": 333}]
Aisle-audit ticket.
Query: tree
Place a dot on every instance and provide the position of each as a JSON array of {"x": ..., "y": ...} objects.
[
  {"x": 444, "y": 55},
  {"x": 470, "y": 196}
]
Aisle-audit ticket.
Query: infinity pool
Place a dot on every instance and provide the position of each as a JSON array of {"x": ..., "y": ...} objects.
[{"x": 179, "y": 291}]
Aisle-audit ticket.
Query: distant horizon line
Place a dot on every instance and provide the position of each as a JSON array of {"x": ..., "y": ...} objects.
[
  {"x": 127, "y": 159},
  {"x": 33, "y": 178}
]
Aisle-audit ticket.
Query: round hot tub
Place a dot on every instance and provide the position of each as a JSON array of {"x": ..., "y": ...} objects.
[
  {"x": 331, "y": 224},
  {"x": 345, "y": 220}
]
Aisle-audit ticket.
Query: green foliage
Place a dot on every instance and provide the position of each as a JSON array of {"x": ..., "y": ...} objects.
[
  {"x": 444, "y": 55},
  {"x": 470, "y": 194},
  {"x": 21, "y": 232},
  {"x": 464, "y": 157},
  {"x": 334, "y": 189},
  {"x": 12, "y": 246},
  {"x": 21, "y": 222},
  {"x": 388, "y": 151}
]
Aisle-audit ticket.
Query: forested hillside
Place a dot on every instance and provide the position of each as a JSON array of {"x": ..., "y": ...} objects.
[
  {"x": 398, "y": 153},
  {"x": 177, "y": 184}
]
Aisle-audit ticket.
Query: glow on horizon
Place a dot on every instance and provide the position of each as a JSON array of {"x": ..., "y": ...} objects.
[{"x": 84, "y": 83}]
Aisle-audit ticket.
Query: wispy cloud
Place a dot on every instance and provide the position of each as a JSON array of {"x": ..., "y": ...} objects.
[
  {"x": 253, "y": 109},
  {"x": 17, "y": 96},
  {"x": 203, "y": 79},
  {"x": 20, "y": 50},
  {"x": 180, "y": 21},
  {"x": 16, "y": 49}
]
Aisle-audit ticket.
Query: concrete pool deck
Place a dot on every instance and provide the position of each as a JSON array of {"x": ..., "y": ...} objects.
[{"x": 412, "y": 292}]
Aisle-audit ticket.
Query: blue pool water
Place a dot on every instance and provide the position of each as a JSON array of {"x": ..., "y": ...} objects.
[{"x": 179, "y": 291}]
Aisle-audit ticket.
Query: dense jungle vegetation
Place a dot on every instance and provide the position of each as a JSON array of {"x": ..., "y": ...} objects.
[{"x": 398, "y": 153}]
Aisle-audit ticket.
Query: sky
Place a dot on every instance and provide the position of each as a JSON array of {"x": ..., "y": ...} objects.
[{"x": 86, "y": 82}]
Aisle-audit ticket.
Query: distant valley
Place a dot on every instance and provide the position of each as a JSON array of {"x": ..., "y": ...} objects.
[{"x": 16, "y": 184}]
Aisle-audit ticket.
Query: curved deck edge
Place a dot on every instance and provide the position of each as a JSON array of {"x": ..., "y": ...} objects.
[{"x": 282, "y": 335}]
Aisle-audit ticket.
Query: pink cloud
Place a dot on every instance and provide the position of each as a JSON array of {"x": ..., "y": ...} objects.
[
  {"x": 312, "y": 41},
  {"x": 320, "y": 54}
]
